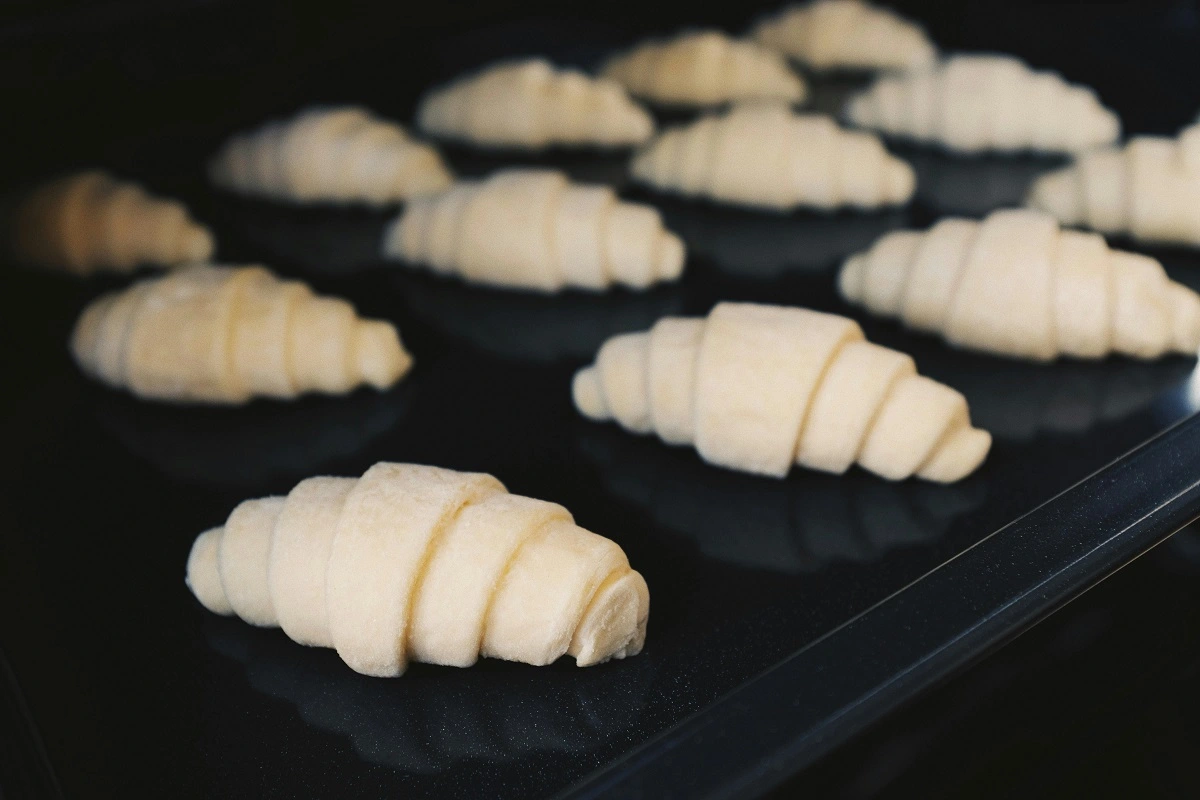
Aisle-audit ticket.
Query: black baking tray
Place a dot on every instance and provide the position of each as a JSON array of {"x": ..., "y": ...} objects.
[{"x": 787, "y": 616}]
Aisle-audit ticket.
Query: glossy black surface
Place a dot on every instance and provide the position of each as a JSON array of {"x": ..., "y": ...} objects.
[{"x": 134, "y": 688}]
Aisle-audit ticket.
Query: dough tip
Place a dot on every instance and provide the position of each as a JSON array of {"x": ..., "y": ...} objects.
[
  {"x": 588, "y": 396},
  {"x": 672, "y": 255},
  {"x": 382, "y": 359},
  {"x": 203, "y": 577}
]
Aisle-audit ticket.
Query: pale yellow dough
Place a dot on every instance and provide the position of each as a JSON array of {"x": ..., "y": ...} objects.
[
  {"x": 333, "y": 155},
  {"x": 763, "y": 155},
  {"x": 1017, "y": 285},
  {"x": 213, "y": 334},
  {"x": 982, "y": 103},
  {"x": 704, "y": 68},
  {"x": 847, "y": 34},
  {"x": 1148, "y": 189},
  {"x": 534, "y": 229},
  {"x": 758, "y": 388},
  {"x": 91, "y": 222},
  {"x": 531, "y": 105},
  {"x": 416, "y": 563}
]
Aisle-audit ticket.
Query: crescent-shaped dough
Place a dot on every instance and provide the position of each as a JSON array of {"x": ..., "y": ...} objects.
[
  {"x": 704, "y": 68},
  {"x": 416, "y": 563},
  {"x": 90, "y": 222},
  {"x": 333, "y": 155},
  {"x": 758, "y": 388},
  {"x": 847, "y": 34},
  {"x": 765, "y": 156},
  {"x": 1149, "y": 189},
  {"x": 1016, "y": 285},
  {"x": 986, "y": 103},
  {"x": 214, "y": 334},
  {"x": 534, "y": 229},
  {"x": 531, "y": 105}
]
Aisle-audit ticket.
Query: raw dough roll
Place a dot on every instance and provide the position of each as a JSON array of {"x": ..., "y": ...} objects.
[
  {"x": 847, "y": 34},
  {"x": 757, "y": 388},
  {"x": 982, "y": 103},
  {"x": 1016, "y": 285},
  {"x": 764, "y": 156},
  {"x": 704, "y": 68},
  {"x": 214, "y": 334},
  {"x": 534, "y": 229},
  {"x": 335, "y": 155},
  {"x": 1148, "y": 189},
  {"x": 531, "y": 105},
  {"x": 417, "y": 563},
  {"x": 90, "y": 222}
]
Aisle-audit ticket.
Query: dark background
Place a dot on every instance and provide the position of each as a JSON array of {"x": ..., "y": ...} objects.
[{"x": 127, "y": 682}]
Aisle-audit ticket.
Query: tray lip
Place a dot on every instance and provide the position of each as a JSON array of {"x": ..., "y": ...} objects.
[{"x": 754, "y": 737}]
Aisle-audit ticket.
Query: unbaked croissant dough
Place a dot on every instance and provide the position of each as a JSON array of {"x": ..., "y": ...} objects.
[
  {"x": 90, "y": 221},
  {"x": 763, "y": 155},
  {"x": 1016, "y": 285},
  {"x": 416, "y": 563},
  {"x": 529, "y": 104},
  {"x": 224, "y": 335},
  {"x": 980, "y": 103},
  {"x": 338, "y": 155},
  {"x": 704, "y": 68},
  {"x": 850, "y": 34},
  {"x": 758, "y": 387},
  {"x": 1149, "y": 189},
  {"x": 534, "y": 229}
]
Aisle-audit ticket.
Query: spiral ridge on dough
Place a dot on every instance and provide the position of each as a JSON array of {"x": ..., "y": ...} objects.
[
  {"x": 90, "y": 221},
  {"x": 530, "y": 104},
  {"x": 704, "y": 68},
  {"x": 758, "y": 388},
  {"x": 1148, "y": 189},
  {"x": 765, "y": 156},
  {"x": 981, "y": 103},
  {"x": 215, "y": 334},
  {"x": 847, "y": 34},
  {"x": 336, "y": 155},
  {"x": 418, "y": 563},
  {"x": 534, "y": 229},
  {"x": 1017, "y": 285}
]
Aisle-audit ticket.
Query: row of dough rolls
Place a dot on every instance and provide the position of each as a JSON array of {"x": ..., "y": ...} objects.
[{"x": 418, "y": 563}]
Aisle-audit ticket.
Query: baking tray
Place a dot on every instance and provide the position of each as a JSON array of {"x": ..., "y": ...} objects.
[{"x": 786, "y": 615}]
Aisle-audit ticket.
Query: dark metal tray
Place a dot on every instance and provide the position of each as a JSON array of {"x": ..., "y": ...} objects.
[{"x": 786, "y": 615}]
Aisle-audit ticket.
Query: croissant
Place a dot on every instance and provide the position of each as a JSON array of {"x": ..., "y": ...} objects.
[
  {"x": 416, "y": 563},
  {"x": 757, "y": 388},
  {"x": 1149, "y": 189},
  {"x": 1016, "y": 285},
  {"x": 529, "y": 104},
  {"x": 90, "y": 221},
  {"x": 534, "y": 229},
  {"x": 847, "y": 34},
  {"x": 764, "y": 156},
  {"x": 339, "y": 155},
  {"x": 704, "y": 68},
  {"x": 224, "y": 335},
  {"x": 979, "y": 103}
]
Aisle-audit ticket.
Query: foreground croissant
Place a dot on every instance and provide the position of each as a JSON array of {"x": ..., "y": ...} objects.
[
  {"x": 90, "y": 221},
  {"x": 1016, "y": 285},
  {"x": 978, "y": 103},
  {"x": 757, "y": 388},
  {"x": 1149, "y": 189},
  {"x": 767, "y": 157},
  {"x": 704, "y": 68},
  {"x": 339, "y": 155},
  {"x": 529, "y": 104},
  {"x": 416, "y": 563},
  {"x": 851, "y": 34},
  {"x": 534, "y": 229},
  {"x": 224, "y": 335}
]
